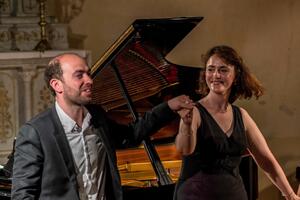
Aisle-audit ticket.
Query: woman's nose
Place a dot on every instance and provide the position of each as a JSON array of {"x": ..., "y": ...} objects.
[{"x": 216, "y": 73}]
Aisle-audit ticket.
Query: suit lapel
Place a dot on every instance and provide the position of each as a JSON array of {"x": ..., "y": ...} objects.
[{"x": 64, "y": 147}]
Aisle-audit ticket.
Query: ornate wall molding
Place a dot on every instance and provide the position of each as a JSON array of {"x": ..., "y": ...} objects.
[
  {"x": 30, "y": 7},
  {"x": 41, "y": 98},
  {"x": 6, "y": 124},
  {"x": 24, "y": 37},
  {"x": 69, "y": 9},
  {"x": 5, "y": 7},
  {"x": 9, "y": 107},
  {"x": 19, "y": 7}
]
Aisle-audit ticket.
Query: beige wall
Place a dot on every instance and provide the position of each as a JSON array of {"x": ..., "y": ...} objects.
[{"x": 267, "y": 34}]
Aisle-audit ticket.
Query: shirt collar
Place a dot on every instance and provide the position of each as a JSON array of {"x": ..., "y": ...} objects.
[{"x": 68, "y": 123}]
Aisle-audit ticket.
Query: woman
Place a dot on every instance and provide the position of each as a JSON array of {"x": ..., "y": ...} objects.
[{"x": 215, "y": 134}]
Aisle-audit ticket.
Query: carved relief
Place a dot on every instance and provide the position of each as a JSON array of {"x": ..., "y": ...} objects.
[
  {"x": 42, "y": 98},
  {"x": 11, "y": 7},
  {"x": 34, "y": 35},
  {"x": 55, "y": 35},
  {"x": 6, "y": 125},
  {"x": 25, "y": 37},
  {"x": 69, "y": 9},
  {"x": 46, "y": 99},
  {"x": 27, "y": 75},
  {"x": 4, "y": 36},
  {"x": 30, "y": 6},
  {"x": 13, "y": 30},
  {"x": 20, "y": 29},
  {"x": 5, "y": 7},
  {"x": 9, "y": 121}
]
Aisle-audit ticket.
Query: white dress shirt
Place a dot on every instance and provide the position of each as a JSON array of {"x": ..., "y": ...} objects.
[{"x": 89, "y": 155}]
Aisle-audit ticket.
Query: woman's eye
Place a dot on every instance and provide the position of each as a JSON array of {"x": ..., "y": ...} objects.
[{"x": 223, "y": 71}]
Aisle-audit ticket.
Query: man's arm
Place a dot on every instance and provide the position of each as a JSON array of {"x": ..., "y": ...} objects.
[
  {"x": 149, "y": 123},
  {"x": 28, "y": 163},
  {"x": 160, "y": 116}
]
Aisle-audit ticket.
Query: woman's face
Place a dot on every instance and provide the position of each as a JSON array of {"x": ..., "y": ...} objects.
[{"x": 219, "y": 76}]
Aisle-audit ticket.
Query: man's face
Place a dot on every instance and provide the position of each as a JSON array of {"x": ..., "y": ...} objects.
[{"x": 76, "y": 81}]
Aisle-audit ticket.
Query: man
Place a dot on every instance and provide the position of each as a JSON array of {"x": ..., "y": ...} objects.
[{"x": 68, "y": 151}]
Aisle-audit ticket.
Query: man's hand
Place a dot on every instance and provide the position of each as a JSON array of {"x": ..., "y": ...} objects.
[{"x": 181, "y": 102}]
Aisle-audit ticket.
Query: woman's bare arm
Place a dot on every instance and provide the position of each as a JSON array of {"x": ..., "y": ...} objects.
[
  {"x": 264, "y": 157},
  {"x": 187, "y": 135}
]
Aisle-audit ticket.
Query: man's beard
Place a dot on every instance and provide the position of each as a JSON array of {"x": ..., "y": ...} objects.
[{"x": 77, "y": 99}]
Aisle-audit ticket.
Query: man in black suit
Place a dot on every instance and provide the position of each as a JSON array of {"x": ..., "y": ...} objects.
[{"x": 68, "y": 151}]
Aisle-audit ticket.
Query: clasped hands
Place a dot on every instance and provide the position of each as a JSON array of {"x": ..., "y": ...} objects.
[{"x": 183, "y": 105}]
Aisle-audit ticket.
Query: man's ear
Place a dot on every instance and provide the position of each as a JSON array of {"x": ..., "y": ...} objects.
[{"x": 56, "y": 84}]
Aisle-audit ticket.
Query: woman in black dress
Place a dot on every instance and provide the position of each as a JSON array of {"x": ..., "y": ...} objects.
[{"x": 215, "y": 134}]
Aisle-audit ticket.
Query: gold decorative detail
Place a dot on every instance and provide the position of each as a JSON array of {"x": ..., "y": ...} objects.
[
  {"x": 46, "y": 99},
  {"x": 43, "y": 44},
  {"x": 6, "y": 126}
]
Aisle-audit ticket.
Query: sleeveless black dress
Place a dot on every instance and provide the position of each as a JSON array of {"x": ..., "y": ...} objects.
[{"x": 211, "y": 172}]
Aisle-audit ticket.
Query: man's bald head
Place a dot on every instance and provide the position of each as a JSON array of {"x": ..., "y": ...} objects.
[{"x": 54, "y": 68}]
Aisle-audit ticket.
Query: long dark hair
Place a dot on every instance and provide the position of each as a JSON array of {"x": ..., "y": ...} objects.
[{"x": 245, "y": 85}]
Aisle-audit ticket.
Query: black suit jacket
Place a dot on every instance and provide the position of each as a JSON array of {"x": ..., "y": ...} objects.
[{"x": 44, "y": 167}]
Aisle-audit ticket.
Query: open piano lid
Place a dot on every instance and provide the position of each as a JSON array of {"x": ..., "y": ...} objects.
[
  {"x": 139, "y": 54},
  {"x": 135, "y": 68}
]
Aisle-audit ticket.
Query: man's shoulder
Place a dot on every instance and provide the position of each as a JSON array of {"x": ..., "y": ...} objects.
[
  {"x": 40, "y": 123},
  {"x": 44, "y": 117}
]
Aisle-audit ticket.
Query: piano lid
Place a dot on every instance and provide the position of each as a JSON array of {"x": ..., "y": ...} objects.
[{"x": 139, "y": 54}]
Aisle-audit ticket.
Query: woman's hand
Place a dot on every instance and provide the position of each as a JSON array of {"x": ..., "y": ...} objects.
[
  {"x": 292, "y": 196},
  {"x": 186, "y": 116}
]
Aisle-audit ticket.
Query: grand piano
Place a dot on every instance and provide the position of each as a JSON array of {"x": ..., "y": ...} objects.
[{"x": 132, "y": 77}]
